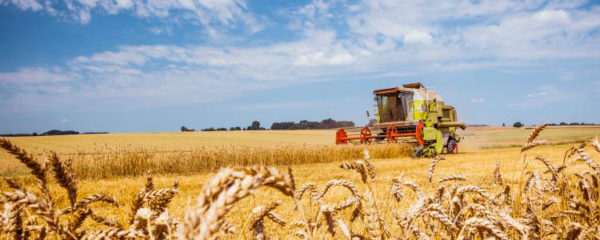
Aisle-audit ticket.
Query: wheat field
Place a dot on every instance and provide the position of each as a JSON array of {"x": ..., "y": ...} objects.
[{"x": 535, "y": 191}]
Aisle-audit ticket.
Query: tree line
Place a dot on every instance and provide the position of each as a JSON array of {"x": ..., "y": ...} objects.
[
  {"x": 53, "y": 132},
  {"x": 520, "y": 124},
  {"x": 304, "y": 124}
]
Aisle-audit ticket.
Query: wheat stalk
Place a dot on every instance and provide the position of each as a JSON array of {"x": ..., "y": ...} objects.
[
  {"x": 434, "y": 162},
  {"x": 160, "y": 228},
  {"x": 38, "y": 170},
  {"x": 112, "y": 233},
  {"x": 534, "y": 134},
  {"x": 371, "y": 216},
  {"x": 158, "y": 200},
  {"x": 533, "y": 144},
  {"x": 596, "y": 144},
  {"x": 105, "y": 221},
  {"x": 483, "y": 224},
  {"x": 63, "y": 172},
  {"x": 359, "y": 167},
  {"x": 224, "y": 190},
  {"x": 456, "y": 177},
  {"x": 585, "y": 157},
  {"x": 138, "y": 200},
  {"x": 79, "y": 218},
  {"x": 12, "y": 184},
  {"x": 89, "y": 200},
  {"x": 40, "y": 206},
  {"x": 343, "y": 183},
  {"x": 255, "y": 222}
]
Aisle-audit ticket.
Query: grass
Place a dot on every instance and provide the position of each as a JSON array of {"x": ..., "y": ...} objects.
[{"x": 476, "y": 166}]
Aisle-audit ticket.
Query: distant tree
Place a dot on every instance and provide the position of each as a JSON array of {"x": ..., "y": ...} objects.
[
  {"x": 518, "y": 124},
  {"x": 59, "y": 132},
  {"x": 184, "y": 129},
  {"x": 34, "y": 134},
  {"x": 503, "y": 125},
  {"x": 235, "y": 129},
  {"x": 563, "y": 123},
  {"x": 305, "y": 124},
  {"x": 255, "y": 125}
]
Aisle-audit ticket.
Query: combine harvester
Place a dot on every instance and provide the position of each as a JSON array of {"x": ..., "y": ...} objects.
[{"x": 412, "y": 114}]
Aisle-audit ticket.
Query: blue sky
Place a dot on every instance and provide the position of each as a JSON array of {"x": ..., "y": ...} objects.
[{"x": 130, "y": 66}]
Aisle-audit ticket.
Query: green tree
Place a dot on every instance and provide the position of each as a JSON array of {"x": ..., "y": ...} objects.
[{"x": 255, "y": 125}]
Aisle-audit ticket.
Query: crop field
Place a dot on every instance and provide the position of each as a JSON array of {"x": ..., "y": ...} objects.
[{"x": 505, "y": 183}]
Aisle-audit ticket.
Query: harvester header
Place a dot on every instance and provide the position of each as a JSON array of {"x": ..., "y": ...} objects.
[{"x": 413, "y": 114}]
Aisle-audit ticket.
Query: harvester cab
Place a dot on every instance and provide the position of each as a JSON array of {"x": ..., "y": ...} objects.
[{"x": 411, "y": 114}]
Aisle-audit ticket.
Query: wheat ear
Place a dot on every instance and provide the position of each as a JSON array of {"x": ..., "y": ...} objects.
[
  {"x": 63, "y": 171},
  {"x": 358, "y": 166},
  {"x": 483, "y": 224},
  {"x": 336, "y": 182},
  {"x": 533, "y": 144},
  {"x": 371, "y": 216},
  {"x": 138, "y": 200},
  {"x": 432, "y": 166},
  {"x": 256, "y": 220},
  {"x": 456, "y": 177},
  {"x": 222, "y": 192},
  {"x": 83, "y": 203},
  {"x": 536, "y": 132}
]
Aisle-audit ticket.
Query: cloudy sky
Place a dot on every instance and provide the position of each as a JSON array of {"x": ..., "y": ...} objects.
[{"x": 154, "y": 65}]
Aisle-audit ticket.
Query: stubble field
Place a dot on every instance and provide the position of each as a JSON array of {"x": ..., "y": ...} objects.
[{"x": 485, "y": 154}]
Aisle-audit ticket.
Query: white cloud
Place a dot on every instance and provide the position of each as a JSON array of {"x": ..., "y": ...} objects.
[
  {"x": 64, "y": 120},
  {"x": 35, "y": 76},
  {"x": 537, "y": 94},
  {"x": 552, "y": 17},
  {"x": 477, "y": 100},
  {"x": 284, "y": 105},
  {"x": 377, "y": 39},
  {"x": 418, "y": 37},
  {"x": 210, "y": 13},
  {"x": 543, "y": 96},
  {"x": 34, "y": 5},
  {"x": 463, "y": 30}
]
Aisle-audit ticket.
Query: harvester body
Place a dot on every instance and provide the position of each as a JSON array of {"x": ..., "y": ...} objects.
[{"x": 413, "y": 114}]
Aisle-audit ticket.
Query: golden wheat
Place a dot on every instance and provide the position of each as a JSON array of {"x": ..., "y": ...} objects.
[{"x": 557, "y": 204}]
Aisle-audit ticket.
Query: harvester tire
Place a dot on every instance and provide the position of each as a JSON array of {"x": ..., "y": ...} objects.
[{"x": 452, "y": 147}]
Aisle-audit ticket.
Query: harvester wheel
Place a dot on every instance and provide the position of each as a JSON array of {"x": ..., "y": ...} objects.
[{"x": 452, "y": 147}]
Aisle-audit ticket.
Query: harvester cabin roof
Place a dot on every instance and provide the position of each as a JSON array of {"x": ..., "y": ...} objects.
[
  {"x": 421, "y": 93},
  {"x": 405, "y": 88}
]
